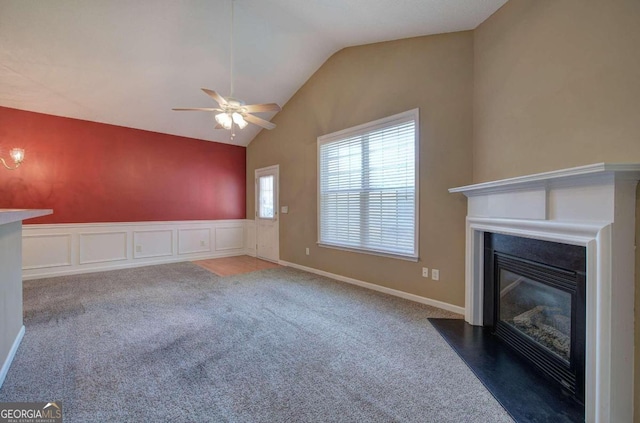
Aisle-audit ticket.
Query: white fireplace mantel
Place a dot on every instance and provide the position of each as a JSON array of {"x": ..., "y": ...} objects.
[{"x": 591, "y": 206}]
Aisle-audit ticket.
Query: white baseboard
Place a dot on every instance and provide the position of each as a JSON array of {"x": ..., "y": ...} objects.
[
  {"x": 129, "y": 265},
  {"x": 71, "y": 249},
  {"x": 372, "y": 286},
  {"x": 12, "y": 353}
]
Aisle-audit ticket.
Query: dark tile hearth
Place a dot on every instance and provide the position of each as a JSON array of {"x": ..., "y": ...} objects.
[{"x": 526, "y": 395}]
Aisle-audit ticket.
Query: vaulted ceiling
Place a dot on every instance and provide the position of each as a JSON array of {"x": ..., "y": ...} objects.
[{"x": 128, "y": 62}]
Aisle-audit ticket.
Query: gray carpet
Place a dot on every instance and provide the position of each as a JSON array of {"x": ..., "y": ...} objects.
[{"x": 178, "y": 343}]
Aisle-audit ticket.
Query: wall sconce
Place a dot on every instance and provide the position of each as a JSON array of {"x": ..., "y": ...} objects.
[{"x": 17, "y": 154}]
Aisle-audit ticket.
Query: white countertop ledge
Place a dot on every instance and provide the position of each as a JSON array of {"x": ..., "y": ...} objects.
[
  {"x": 597, "y": 170},
  {"x": 16, "y": 215}
]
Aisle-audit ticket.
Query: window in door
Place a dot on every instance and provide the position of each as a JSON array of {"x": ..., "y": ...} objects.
[{"x": 266, "y": 197}]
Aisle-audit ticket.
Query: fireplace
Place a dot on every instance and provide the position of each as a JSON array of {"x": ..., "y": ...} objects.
[
  {"x": 592, "y": 207},
  {"x": 534, "y": 301}
]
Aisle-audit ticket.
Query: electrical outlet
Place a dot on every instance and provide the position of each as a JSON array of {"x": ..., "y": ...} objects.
[
  {"x": 138, "y": 248},
  {"x": 425, "y": 272},
  {"x": 307, "y": 250},
  {"x": 435, "y": 274}
]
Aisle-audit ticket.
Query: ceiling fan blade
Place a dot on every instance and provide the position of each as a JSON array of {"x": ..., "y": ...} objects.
[
  {"x": 214, "y": 95},
  {"x": 260, "y": 122},
  {"x": 256, "y": 108},
  {"x": 194, "y": 109},
  {"x": 218, "y": 126}
]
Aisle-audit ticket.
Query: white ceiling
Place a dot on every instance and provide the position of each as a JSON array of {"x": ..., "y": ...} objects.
[{"x": 128, "y": 62}]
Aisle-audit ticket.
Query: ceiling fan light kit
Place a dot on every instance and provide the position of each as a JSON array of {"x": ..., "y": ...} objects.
[
  {"x": 239, "y": 120},
  {"x": 231, "y": 111},
  {"x": 224, "y": 120}
]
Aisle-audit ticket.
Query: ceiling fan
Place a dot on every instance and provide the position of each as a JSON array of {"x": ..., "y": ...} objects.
[{"x": 231, "y": 111}]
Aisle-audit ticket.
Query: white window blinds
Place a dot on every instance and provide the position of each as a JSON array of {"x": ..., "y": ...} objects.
[{"x": 367, "y": 187}]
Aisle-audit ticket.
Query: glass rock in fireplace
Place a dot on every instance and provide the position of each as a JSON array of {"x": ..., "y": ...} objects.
[{"x": 539, "y": 311}]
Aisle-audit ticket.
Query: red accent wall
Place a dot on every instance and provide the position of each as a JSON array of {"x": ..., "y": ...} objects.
[{"x": 94, "y": 172}]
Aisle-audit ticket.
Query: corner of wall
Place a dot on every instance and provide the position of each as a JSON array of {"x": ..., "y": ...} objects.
[
  {"x": 4, "y": 370},
  {"x": 636, "y": 390}
]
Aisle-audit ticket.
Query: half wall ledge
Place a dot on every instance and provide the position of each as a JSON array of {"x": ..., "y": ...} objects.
[{"x": 11, "y": 327}]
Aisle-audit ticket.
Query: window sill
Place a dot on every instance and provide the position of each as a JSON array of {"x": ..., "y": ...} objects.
[{"x": 369, "y": 252}]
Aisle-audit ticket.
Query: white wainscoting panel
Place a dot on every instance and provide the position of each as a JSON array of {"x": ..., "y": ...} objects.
[
  {"x": 250, "y": 237},
  {"x": 67, "y": 249},
  {"x": 229, "y": 238},
  {"x": 152, "y": 243},
  {"x": 103, "y": 247},
  {"x": 46, "y": 250},
  {"x": 196, "y": 240}
]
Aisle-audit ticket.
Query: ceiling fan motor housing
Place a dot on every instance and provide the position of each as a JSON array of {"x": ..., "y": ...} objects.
[{"x": 233, "y": 105}]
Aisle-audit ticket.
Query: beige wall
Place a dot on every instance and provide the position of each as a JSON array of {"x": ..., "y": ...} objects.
[
  {"x": 358, "y": 85},
  {"x": 557, "y": 84},
  {"x": 10, "y": 286}
]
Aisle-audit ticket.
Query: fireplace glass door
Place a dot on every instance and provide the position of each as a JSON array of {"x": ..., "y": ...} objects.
[
  {"x": 539, "y": 311},
  {"x": 535, "y": 303}
]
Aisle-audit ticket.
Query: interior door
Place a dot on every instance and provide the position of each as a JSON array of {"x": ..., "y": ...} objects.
[{"x": 267, "y": 226}]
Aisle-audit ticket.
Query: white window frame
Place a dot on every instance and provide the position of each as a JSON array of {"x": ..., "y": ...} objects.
[{"x": 363, "y": 129}]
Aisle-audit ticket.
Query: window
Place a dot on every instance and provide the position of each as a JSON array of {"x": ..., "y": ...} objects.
[
  {"x": 368, "y": 187},
  {"x": 266, "y": 195}
]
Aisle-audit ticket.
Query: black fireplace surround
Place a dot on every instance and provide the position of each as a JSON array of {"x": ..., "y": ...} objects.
[{"x": 534, "y": 301}]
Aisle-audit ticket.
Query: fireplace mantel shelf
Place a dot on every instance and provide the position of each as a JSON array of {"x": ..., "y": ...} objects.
[{"x": 632, "y": 170}]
